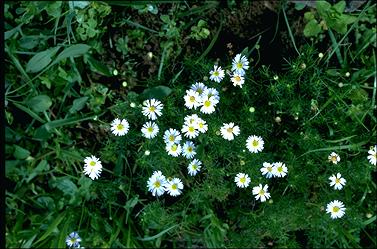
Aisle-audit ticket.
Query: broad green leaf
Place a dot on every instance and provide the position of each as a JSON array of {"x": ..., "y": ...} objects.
[
  {"x": 339, "y": 7},
  {"x": 78, "y": 104},
  {"x": 65, "y": 185},
  {"x": 323, "y": 7},
  {"x": 53, "y": 226},
  {"x": 157, "y": 92},
  {"x": 73, "y": 50},
  {"x": 98, "y": 67},
  {"x": 39, "y": 103},
  {"x": 20, "y": 153},
  {"x": 46, "y": 202},
  {"x": 28, "y": 111},
  {"x": 41, "y": 60},
  {"x": 42, "y": 166},
  {"x": 312, "y": 28},
  {"x": 309, "y": 16}
]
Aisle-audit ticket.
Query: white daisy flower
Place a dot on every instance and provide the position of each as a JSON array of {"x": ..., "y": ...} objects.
[
  {"x": 209, "y": 104},
  {"x": 240, "y": 64},
  {"x": 267, "y": 170},
  {"x": 217, "y": 74},
  {"x": 201, "y": 125},
  {"x": 156, "y": 183},
  {"x": 228, "y": 131},
  {"x": 334, "y": 158},
  {"x": 73, "y": 240},
  {"x": 279, "y": 169},
  {"x": 189, "y": 150},
  {"x": 191, "y": 119},
  {"x": 237, "y": 79},
  {"x": 254, "y": 144},
  {"x": 337, "y": 181},
  {"x": 190, "y": 131},
  {"x": 152, "y": 108},
  {"x": 119, "y": 127},
  {"x": 150, "y": 130},
  {"x": 174, "y": 187},
  {"x": 93, "y": 167},
  {"x": 242, "y": 180},
  {"x": 172, "y": 136},
  {"x": 261, "y": 192},
  {"x": 194, "y": 167},
  {"x": 211, "y": 92},
  {"x": 192, "y": 99},
  {"x": 174, "y": 149},
  {"x": 372, "y": 157},
  {"x": 198, "y": 87},
  {"x": 336, "y": 209}
]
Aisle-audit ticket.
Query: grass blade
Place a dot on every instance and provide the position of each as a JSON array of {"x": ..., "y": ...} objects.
[{"x": 157, "y": 235}]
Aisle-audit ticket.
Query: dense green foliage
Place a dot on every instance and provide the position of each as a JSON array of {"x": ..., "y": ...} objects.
[{"x": 73, "y": 67}]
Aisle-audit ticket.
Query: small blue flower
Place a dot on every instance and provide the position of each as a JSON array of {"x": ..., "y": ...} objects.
[{"x": 73, "y": 240}]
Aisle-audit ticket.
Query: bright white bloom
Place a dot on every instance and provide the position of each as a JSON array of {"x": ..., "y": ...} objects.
[
  {"x": 93, "y": 167},
  {"x": 119, "y": 127},
  {"x": 254, "y": 144},
  {"x": 242, "y": 180},
  {"x": 267, "y": 170},
  {"x": 174, "y": 187},
  {"x": 174, "y": 149},
  {"x": 172, "y": 136},
  {"x": 191, "y": 119},
  {"x": 337, "y": 181},
  {"x": 228, "y": 131},
  {"x": 336, "y": 209},
  {"x": 192, "y": 99},
  {"x": 198, "y": 87},
  {"x": 73, "y": 240},
  {"x": 190, "y": 131},
  {"x": 334, "y": 158},
  {"x": 194, "y": 167},
  {"x": 211, "y": 92},
  {"x": 152, "y": 108},
  {"x": 372, "y": 155},
  {"x": 149, "y": 130},
  {"x": 279, "y": 169},
  {"x": 189, "y": 150},
  {"x": 261, "y": 192},
  {"x": 217, "y": 74},
  {"x": 147, "y": 153},
  {"x": 240, "y": 64},
  {"x": 201, "y": 125},
  {"x": 156, "y": 183},
  {"x": 209, "y": 104},
  {"x": 237, "y": 79}
]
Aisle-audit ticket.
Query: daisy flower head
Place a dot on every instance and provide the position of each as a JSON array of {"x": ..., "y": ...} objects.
[
  {"x": 192, "y": 99},
  {"x": 198, "y": 87},
  {"x": 336, "y": 209},
  {"x": 93, "y": 167},
  {"x": 261, "y": 192},
  {"x": 150, "y": 130},
  {"x": 254, "y": 144},
  {"x": 73, "y": 240},
  {"x": 174, "y": 187},
  {"x": 201, "y": 125},
  {"x": 174, "y": 149},
  {"x": 240, "y": 64},
  {"x": 211, "y": 92},
  {"x": 189, "y": 150},
  {"x": 279, "y": 169},
  {"x": 190, "y": 131},
  {"x": 242, "y": 180},
  {"x": 237, "y": 79},
  {"x": 194, "y": 167},
  {"x": 209, "y": 104},
  {"x": 217, "y": 74},
  {"x": 334, "y": 158},
  {"x": 228, "y": 131},
  {"x": 267, "y": 170},
  {"x": 156, "y": 183},
  {"x": 372, "y": 157},
  {"x": 337, "y": 181},
  {"x": 172, "y": 136},
  {"x": 152, "y": 108},
  {"x": 119, "y": 127},
  {"x": 191, "y": 119}
]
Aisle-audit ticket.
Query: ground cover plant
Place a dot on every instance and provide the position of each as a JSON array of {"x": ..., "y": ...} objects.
[{"x": 190, "y": 124}]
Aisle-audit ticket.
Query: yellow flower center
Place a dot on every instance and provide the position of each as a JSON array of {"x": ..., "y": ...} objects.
[
  {"x": 92, "y": 163},
  {"x": 194, "y": 167},
  {"x": 152, "y": 109},
  {"x": 171, "y": 138},
  {"x": 239, "y": 65},
  {"x": 261, "y": 192},
  {"x": 189, "y": 149},
  {"x": 216, "y": 73},
  {"x": 174, "y": 147},
  {"x": 174, "y": 186},
  {"x": 120, "y": 127},
  {"x": 334, "y": 158},
  {"x": 192, "y": 98},
  {"x": 337, "y": 180},
  {"x": 199, "y": 90},
  {"x": 157, "y": 184},
  {"x": 230, "y": 130},
  {"x": 280, "y": 169},
  {"x": 269, "y": 168},
  {"x": 335, "y": 209},
  {"x": 255, "y": 143},
  {"x": 191, "y": 129},
  {"x": 242, "y": 179},
  {"x": 237, "y": 78},
  {"x": 150, "y": 129},
  {"x": 207, "y": 103}
]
